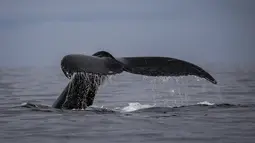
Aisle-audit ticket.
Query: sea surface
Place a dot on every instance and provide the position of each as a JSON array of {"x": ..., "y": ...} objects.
[{"x": 129, "y": 109}]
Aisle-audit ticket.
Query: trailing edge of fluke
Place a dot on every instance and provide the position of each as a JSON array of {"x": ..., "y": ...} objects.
[{"x": 104, "y": 63}]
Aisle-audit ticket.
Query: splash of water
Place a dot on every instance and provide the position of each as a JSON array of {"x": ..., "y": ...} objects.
[
  {"x": 205, "y": 103},
  {"x": 82, "y": 89},
  {"x": 135, "y": 106},
  {"x": 181, "y": 89}
]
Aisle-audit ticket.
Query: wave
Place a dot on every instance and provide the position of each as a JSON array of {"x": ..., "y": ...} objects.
[{"x": 136, "y": 107}]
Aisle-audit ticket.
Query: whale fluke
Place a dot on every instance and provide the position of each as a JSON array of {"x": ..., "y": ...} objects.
[{"x": 104, "y": 63}]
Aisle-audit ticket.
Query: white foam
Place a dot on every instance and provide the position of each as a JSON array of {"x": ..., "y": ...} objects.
[
  {"x": 205, "y": 103},
  {"x": 24, "y": 104},
  {"x": 135, "y": 106}
]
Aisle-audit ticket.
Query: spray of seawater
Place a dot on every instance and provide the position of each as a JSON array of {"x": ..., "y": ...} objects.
[
  {"x": 82, "y": 89},
  {"x": 173, "y": 91},
  {"x": 168, "y": 91}
]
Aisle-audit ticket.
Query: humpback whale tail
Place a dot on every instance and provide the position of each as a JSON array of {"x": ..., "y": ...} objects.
[
  {"x": 88, "y": 73},
  {"x": 104, "y": 63}
]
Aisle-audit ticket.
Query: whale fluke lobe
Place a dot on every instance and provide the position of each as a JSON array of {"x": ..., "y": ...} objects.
[
  {"x": 163, "y": 66},
  {"x": 98, "y": 64},
  {"x": 87, "y": 73}
]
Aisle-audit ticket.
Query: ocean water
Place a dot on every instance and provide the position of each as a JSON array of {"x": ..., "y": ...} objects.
[{"x": 129, "y": 108}]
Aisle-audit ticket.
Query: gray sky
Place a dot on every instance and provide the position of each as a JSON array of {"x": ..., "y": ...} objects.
[{"x": 201, "y": 31}]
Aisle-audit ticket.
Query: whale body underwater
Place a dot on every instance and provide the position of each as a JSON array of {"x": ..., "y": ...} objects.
[{"x": 87, "y": 73}]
